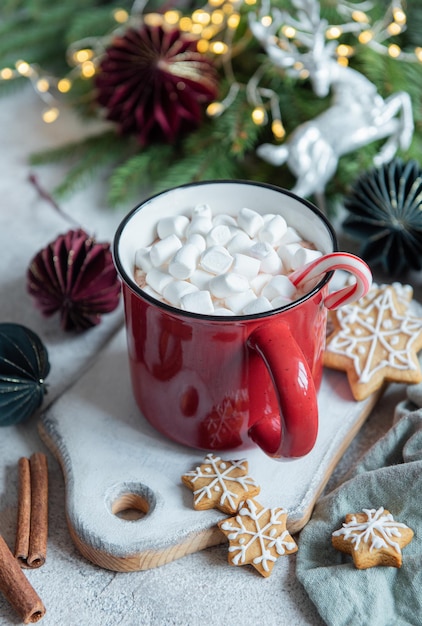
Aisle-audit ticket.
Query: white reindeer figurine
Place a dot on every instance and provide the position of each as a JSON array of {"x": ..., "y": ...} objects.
[{"x": 357, "y": 116}]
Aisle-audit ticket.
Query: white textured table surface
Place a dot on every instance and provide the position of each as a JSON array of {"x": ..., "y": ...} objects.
[{"x": 197, "y": 589}]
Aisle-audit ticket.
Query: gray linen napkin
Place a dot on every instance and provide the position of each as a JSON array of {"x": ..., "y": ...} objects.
[{"x": 389, "y": 475}]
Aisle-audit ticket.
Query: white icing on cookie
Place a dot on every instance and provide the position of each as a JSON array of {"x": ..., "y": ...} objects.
[
  {"x": 266, "y": 536},
  {"x": 221, "y": 475},
  {"x": 378, "y": 530},
  {"x": 381, "y": 326}
]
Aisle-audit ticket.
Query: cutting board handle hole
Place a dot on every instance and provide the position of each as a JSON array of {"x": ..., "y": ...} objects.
[{"x": 130, "y": 507}]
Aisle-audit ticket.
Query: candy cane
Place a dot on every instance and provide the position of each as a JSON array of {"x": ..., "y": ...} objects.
[{"x": 337, "y": 261}]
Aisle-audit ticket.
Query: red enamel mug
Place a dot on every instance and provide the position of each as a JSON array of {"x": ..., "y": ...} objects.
[{"x": 220, "y": 382}]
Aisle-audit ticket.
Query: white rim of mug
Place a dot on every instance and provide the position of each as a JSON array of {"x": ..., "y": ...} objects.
[{"x": 130, "y": 282}]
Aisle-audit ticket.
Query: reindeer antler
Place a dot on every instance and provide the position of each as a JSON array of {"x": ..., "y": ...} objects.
[{"x": 271, "y": 28}]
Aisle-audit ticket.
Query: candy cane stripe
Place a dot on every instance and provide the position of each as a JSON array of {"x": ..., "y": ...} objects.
[{"x": 337, "y": 261}]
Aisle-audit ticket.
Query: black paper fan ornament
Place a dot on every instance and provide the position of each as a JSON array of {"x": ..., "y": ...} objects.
[
  {"x": 24, "y": 366},
  {"x": 385, "y": 206}
]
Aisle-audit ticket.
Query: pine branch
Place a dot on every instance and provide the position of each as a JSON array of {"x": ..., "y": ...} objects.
[
  {"x": 93, "y": 23},
  {"x": 74, "y": 150},
  {"x": 138, "y": 172},
  {"x": 91, "y": 156}
]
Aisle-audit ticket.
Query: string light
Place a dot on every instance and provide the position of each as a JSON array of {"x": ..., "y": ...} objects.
[
  {"x": 64, "y": 85},
  {"x": 344, "y": 50},
  {"x": 394, "y": 51},
  {"x": 218, "y": 47},
  {"x": 259, "y": 116},
  {"x": 399, "y": 16},
  {"x": 278, "y": 129},
  {"x": 24, "y": 68},
  {"x": 87, "y": 69},
  {"x": 120, "y": 15},
  {"x": 289, "y": 32},
  {"x": 365, "y": 36},
  {"x": 360, "y": 16},
  {"x": 394, "y": 28},
  {"x": 172, "y": 17},
  {"x": 6, "y": 73},
  {"x": 42, "y": 85},
  {"x": 50, "y": 115},
  {"x": 233, "y": 21},
  {"x": 214, "y": 109},
  {"x": 214, "y": 26},
  {"x": 334, "y": 32}
]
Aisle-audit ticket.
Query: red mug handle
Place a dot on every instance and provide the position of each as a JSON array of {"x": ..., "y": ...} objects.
[{"x": 293, "y": 433}]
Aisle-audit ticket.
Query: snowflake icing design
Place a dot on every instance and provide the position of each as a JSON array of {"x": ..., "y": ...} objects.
[
  {"x": 378, "y": 325},
  {"x": 258, "y": 536},
  {"x": 219, "y": 483},
  {"x": 378, "y": 530}
]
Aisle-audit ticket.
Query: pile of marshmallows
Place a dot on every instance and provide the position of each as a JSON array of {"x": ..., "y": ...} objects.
[{"x": 223, "y": 265}]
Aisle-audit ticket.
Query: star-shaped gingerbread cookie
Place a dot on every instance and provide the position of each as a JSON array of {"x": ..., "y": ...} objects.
[
  {"x": 374, "y": 340},
  {"x": 373, "y": 538},
  {"x": 257, "y": 536},
  {"x": 220, "y": 484}
]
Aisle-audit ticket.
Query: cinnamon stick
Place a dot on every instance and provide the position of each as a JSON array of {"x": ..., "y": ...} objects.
[
  {"x": 32, "y": 525},
  {"x": 17, "y": 589}
]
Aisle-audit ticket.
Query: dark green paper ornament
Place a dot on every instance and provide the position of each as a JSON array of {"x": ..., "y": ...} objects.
[
  {"x": 385, "y": 206},
  {"x": 24, "y": 366}
]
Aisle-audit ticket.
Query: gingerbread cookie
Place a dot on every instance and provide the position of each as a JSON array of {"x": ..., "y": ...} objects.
[
  {"x": 220, "y": 484},
  {"x": 373, "y": 538},
  {"x": 257, "y": 536},
  {"x": 375, "y": 340}
]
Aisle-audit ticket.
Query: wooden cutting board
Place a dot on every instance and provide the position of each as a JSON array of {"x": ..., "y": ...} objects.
[{"x": 114, "y": 463}]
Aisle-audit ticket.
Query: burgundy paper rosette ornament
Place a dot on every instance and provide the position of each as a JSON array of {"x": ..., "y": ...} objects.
[
  {"x": 75, "y": 276},
  {"x": 153, "y": 82}
]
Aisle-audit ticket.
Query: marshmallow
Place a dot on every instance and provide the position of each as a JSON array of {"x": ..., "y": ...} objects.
[
  {"x": 270, "y": 260},
  {"x": 172, "y": 226},
  {"x": 184, "y": 262},
  {"x": 198, "y": 302},
  {"x": 279, "y": 285},
  {"x": 246, "y": 265},
  {"x": 279, "y": 301},
  {"x": 200, "y": 224},
  {"x": 290, "y": 236},
  {"x": 219, "y": 235},
  {"x": 224, "y": 218},
  {"x": 203, "y": 210},
  {"x": 273, "y": 230},
  {"x": 304, "y": 256},
  {"x": 258, "y": 283},
  {"x": 162, "y": 251},
  {"x": 197, "y": 240},
  {"x": 228, "y": 284},
  {"x": 143, "y": 259},
  {"x": 151, "y": 292},
  {"x": 201, "y": 279},
  {"x": 223, "y": 311},
  {"x": 238, "y": 301},
  {"x": 216, "y": 260},
  {"x": 294, "y": 255},
  {"x": 250, "y": 221},
  {"x": 259, "y": 305},
  {"x": 157, "y": 279},
  {"x": 176, "y": 289},
  {"x": 240, "y": 242},
  {"x": 222, "y": 265}
]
